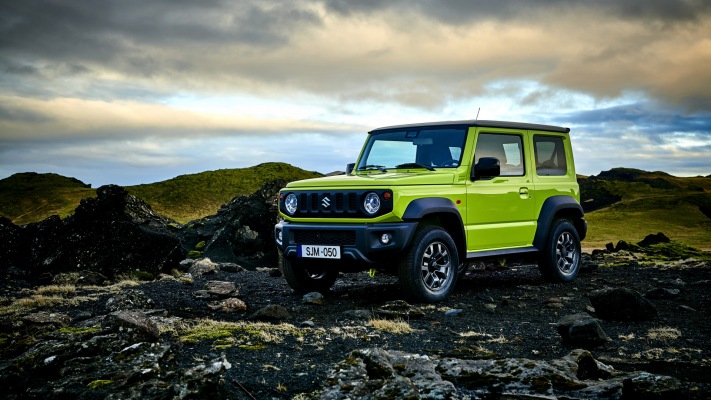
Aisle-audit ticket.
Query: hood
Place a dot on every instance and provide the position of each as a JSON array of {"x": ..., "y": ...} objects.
[{"x": 377, "y": 179}]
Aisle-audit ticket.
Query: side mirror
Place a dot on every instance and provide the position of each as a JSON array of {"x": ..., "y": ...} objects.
[
  {"x": 486, "y": 168},
  {"x": 349, "y": 168}
]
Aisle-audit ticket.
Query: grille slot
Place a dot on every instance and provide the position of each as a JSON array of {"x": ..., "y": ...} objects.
[
  {"x": 335, "y": 204},
  {"x": 334, "y": 238}
]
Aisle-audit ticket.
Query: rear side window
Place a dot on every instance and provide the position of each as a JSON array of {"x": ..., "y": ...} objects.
[
  {"x": 550, "y": 155},
  {"x": 506, "y": 148}
]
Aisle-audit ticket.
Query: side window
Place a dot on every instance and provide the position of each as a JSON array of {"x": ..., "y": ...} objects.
[
  {"x": 506, "y": 148},
  {"x": 550, "y": 156}
]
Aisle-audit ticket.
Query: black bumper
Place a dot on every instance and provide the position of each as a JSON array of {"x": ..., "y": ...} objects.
[{"x": 358, "y": 242}]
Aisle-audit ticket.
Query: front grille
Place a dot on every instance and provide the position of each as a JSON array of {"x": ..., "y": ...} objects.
[
  {"x": 334, "y": 238},
  {"x": 336, "y": 204}
]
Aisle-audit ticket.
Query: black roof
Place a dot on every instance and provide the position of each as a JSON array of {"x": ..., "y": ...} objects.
[{"x": 472, "y": 122}]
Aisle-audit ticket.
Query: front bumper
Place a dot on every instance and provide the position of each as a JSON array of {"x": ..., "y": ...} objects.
[{"x": 358, "y": 242}]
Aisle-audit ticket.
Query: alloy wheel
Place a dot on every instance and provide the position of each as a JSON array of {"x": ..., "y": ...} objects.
[
  {"x": 436, "y": 266},
  {"x": 566, "y": 251}
]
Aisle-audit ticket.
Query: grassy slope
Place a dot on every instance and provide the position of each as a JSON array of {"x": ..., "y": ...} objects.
[
  {"x": 645, "y": 209},
  {"x": 187, "y": 197},
  {"x": 30, "y": 197}
]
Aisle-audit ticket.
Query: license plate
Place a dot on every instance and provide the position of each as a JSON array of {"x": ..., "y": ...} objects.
[{"x": 313, "y": 251}]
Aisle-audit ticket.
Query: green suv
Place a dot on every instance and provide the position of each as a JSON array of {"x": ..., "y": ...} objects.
[{"x": 425, "y": 200}]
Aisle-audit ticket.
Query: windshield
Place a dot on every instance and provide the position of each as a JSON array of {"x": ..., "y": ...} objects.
[{"x": 425, "y": 148}]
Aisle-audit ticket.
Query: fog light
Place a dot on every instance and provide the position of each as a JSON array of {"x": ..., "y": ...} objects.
[
  {"x": 386, "y": 238},
  {"x": 279, "y": 236}
]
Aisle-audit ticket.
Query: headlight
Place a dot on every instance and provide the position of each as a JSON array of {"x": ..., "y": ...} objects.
[
  {"x": 291, "y": 203},
  {"x": 371, "y": 203}
]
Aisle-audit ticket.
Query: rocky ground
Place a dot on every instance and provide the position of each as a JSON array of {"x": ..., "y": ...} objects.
[{"x": 215, "y": 330}]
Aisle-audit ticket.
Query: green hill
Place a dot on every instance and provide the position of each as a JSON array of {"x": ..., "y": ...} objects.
[
  {"x": 188, "y": 197},
  {"x": 31, "y": 197},
  {"x": 629, "y": 204},
  {"x": 620, "y": 204}
]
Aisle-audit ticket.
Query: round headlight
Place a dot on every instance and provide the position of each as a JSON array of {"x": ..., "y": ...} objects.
[
  {"x": 291, "y": 203},
  {"x": 371, "y": 203}
]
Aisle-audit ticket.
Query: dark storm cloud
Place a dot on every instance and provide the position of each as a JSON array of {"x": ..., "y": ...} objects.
[
  {"x": 644, "y": 118},
  {"x": 467, "y": 11},
  {"x": 116, "y": 32}
]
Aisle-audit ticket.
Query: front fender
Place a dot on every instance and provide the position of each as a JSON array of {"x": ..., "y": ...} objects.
[{"x": 446, "y": 211}]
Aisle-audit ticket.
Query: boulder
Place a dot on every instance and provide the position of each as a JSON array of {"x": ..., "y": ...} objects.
[
  {"x": 577, "y": 375},
  {"x": 202, "y": 267},
  {"x": 232, "y": 304},
  {"x": 379, "y": 374},
  {"x": 312, "y": 298},
  {"x": 129, "y": 299},
  {"x": 112, "y": 234},
  {"x": 662, "y": 293},
  {"x": 622, "y": 245},
  {"x": 399, "y": 309},
  {"x": 271, "y": 313},
  {"x": 47, "y": 318},
  {"x": 581, "y": 330},
  {"x": 135, "y": 323},
  {"x": 10, "y": 237},
  {"x": 221, "y": 289},
  {"x": 242, "y": 231},
  {"x": 230, "y": 267},
  {"x": 654, "y": 239},
  {"x": 643, "y": 385},
  {"x": 622, "y": 304},
  {"x": 113, "y": 365}
]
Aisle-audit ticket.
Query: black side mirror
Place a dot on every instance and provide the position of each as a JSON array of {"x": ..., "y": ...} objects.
[
  {"x": 349, "y": 168},
  {"x": 486, "y": 168}
]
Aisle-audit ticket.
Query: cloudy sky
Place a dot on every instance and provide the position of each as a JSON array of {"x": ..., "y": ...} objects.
[{"x": 135, "y": 91}]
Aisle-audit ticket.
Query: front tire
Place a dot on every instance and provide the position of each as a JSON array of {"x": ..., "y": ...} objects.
[
  {"x": 428, "y": 272},
  {"x": 315, "y": 277},
  {"x": 560, "y": 261}
]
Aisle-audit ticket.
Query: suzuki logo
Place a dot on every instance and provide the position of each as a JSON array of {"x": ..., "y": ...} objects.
[{"x": 326, "y": 202}]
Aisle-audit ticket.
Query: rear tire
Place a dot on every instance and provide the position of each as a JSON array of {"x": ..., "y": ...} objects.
[
  {"x": 429, "y": 270},
  {"x": 315, "y": 277},
  {"x": 560, "y": 261}
]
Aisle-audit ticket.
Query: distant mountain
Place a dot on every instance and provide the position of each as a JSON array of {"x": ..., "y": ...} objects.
[
  {"x": 621, "y": 203},
  {"x": 626, "y": 203},
  {"x": 31, "y": 197},
  {"x": 188, "y": 197}
]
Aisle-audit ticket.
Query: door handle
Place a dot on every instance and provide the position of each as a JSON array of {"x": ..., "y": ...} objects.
[{"x": 523, "y": 193}]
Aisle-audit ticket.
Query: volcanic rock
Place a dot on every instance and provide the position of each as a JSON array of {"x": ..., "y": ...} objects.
[
  {"x": 111, "y": 234},
  {"x": 242, "y": 231},
  {"x": 622, "y": 304},
  {"x": 654, "y": 239},
  {"x": 581, "y": 330},
  {"x": 220, "y": 289},
  {"x": 271, "y": 313},
  {"x": 399, "y": 309}
]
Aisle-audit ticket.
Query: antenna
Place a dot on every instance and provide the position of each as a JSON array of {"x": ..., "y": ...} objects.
[{"x": 477, "y": 114}]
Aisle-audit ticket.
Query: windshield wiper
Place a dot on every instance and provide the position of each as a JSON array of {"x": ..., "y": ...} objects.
[
  {"x": 415, "y": 165},
  {"x": 378, "y": 167}
]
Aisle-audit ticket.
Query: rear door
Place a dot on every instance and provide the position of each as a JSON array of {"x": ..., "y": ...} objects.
[{"x": 500, "y": 211}]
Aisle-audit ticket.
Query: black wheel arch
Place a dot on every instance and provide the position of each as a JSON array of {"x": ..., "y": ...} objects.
[
  {"x": 439, "y": 211},
  {"x": 559, "y": 207}
]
